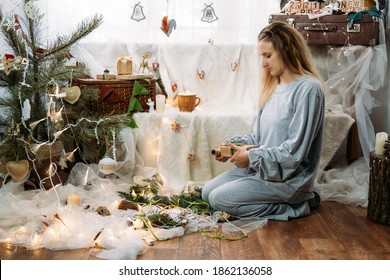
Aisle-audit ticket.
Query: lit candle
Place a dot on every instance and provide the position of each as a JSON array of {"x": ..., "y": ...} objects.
[
  {"x": 160, "y": 103},
  {"x": 73, "y": 199},
  {"x": 381, "y": 137}
]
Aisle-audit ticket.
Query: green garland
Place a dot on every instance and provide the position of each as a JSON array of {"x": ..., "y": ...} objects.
[
  {"x": 189, "y": 201},
  {"x": 147, "y": 194}
]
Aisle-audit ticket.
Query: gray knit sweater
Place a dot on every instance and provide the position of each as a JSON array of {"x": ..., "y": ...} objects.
[{"x": 289, "y": 130}]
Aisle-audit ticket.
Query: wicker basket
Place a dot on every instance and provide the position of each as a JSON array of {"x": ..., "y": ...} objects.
[{"x": 115, "y": 95}]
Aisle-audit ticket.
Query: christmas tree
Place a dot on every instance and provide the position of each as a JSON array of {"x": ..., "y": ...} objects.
[{"x": 43, "y": 118}]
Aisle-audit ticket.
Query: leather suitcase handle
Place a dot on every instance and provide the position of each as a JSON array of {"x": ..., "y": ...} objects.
[{"x": 321, "y": 28}]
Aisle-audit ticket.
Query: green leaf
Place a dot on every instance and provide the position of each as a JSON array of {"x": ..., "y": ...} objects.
[
  {"x": 131, "y": 123},
  {"x": 138, "y": 89},
  {"x": 132, "y": 103},
  {"x": 138, "y": 106},
  {"x": 147, "y": 81}
]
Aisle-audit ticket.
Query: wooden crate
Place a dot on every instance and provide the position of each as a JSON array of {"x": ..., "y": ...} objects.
[{"x": 114, "y": 95}]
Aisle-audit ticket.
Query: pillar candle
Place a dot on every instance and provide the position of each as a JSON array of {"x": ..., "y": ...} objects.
[
  {"x": 73, "y": 199},
  {"x": 381, "y": 137},
  {"x": 160, "y": 103}
]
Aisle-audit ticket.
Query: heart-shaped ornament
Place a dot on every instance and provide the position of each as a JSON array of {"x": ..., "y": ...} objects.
[
  {"x": 155, "y": 66},
  {"x": 174, "y": 87},
  {"x": 233, "y": 66},
  {"x": 18, "y": 169},
  {"x": 201, "y": 74},
  {"x": 72, "y": 94}
]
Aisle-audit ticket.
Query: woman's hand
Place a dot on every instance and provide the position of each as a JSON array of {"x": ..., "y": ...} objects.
[
  {"x": 221, "y": 158},
  {"x": 240, "y": 157}
]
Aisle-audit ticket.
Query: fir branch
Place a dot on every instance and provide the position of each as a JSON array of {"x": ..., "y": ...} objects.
[
  {"x": 163, "y": 220},
  {"x": 59, "y": 72},
  {"x": 4, "y": 80},
  {"x": 83, "y": 29},
  {"x": 13, "y": 149},
  {"x": 148, "y": 194},
  {"x": 13, "y": 40},
  {"x": 88, "y": 128}
]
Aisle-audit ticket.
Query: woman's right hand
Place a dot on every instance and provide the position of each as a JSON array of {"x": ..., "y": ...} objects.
[{"x": 221, "y": 159}]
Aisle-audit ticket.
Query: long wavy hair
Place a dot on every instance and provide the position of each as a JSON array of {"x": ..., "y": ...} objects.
[{"x": 294, "y": 53}]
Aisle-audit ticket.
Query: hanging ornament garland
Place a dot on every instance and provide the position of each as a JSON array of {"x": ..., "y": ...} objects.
[
  {"x": 138, "y": 12},
  {"x": 167, "y": 26},
  {"x": 209, "y": 14}
]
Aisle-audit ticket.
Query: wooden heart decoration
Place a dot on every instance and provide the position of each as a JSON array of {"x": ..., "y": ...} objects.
[
  {"x": 201, "y": 74},
  {"x": 155, "y": 66},
  {"x": 72, "y": 94},
  {"x": 233, "y": 66},
  {"x": 18, "y": 169},
  {"x": 174, "y": 87}
]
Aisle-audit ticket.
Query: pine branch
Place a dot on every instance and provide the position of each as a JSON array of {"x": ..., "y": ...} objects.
[
  {"x": 58, "y": 71},
  {"x": 83, "y": 29},
  {"x": 12, "y": 39},
  {"x": 87, "y": 130}
]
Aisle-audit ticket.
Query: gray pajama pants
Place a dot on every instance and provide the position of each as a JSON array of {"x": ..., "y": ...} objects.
[{"x": 244, "y": 195}]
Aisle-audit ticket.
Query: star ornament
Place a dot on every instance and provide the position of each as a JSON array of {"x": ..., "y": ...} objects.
[{"x": 8, "y": 23}]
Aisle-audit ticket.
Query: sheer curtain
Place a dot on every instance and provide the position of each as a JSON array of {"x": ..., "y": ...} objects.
[{"x": 238, "y": 22}]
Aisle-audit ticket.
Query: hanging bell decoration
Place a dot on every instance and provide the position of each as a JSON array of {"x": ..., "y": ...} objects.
[
  {"x": 209, "y": 14},
  {"x": 138, "y": 12}
]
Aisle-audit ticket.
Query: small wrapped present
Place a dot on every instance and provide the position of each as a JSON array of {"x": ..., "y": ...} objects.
[{"x": 124, "y": 65}]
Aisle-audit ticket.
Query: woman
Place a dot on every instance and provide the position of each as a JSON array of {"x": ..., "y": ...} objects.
[{"x": 275, "y": 180}]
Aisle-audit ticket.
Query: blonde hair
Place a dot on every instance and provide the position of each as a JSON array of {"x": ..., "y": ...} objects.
[{"x": 294, "y": 53}]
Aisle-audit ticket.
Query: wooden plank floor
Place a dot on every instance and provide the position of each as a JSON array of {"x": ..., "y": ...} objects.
[{"x": 333, "y": 231}]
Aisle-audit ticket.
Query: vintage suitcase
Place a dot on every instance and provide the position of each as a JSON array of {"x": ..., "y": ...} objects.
[{"x": 333, "y": 29}]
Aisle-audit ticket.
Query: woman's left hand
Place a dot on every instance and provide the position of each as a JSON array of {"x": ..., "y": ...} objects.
[{"x": 240, "y": 157}]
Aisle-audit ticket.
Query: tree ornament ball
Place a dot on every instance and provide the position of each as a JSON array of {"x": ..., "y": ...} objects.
[{"x": 107, "y": 165}]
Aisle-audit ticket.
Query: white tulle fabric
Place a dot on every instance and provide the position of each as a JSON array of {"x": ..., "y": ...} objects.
[{"x": 42, "y": 219}]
